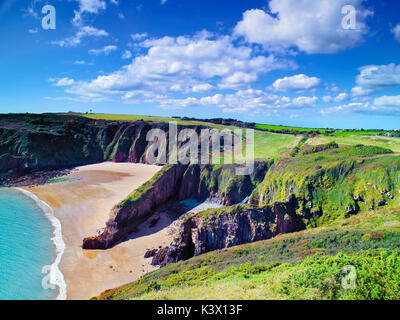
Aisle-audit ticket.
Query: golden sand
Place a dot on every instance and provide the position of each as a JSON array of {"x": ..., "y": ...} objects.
[{"x": 82, "y": 204}]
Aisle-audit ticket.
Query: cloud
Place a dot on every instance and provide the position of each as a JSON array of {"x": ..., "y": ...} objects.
[
  {"x": 299, "y": 82},
  {"x": 396, "y": 32},
  {"x": 373, "y": 78},
  {"x": 91, "y": 6},
  {"x": 63, "y": 82},
  {"x": 127, "y": 55},
  {"x": 139, "y": 36},
  {"x": 202, "y": 87},
  {"x": 105, "y": 50},
  {"x": 30, "y": 11},
  {"x": 347, "y": 108},
  {"x": 308, "y": 25},
  {"x": 184, "y": 65},
  {"x": 163, "y": 2},
  {"x": 382, "y": 106},
  {"x": 80, "y": 62},
  {"x": 249, "y": 100},
  {"x": 339, "y": 98},
  {"x": 83, "y": 32},
  {"x": 85, "y": 7},
  {"x": 238, "y": 80},
  {"x": 302, "y": 102},
  {"x": 387, "y": 101}
]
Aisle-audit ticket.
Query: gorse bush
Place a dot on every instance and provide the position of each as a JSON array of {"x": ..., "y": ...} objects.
[{"x": 377, "y": 276}]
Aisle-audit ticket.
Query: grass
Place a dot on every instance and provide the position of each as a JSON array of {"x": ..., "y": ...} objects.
[
  {"x": 145, "y": 188},
  {"x": 57, "y": 180},
  {"x": 288, "y": 128},
  {"x": 303, "y": 265},
  {"x": 392, "y": 143},
  {"x": 327, "y": 184},
  {"x": 300, "y": 145},
  {"x": 348, "y": 133},
  {"x": 273, "y": 145},
  {"x": 333, "y": 132}
]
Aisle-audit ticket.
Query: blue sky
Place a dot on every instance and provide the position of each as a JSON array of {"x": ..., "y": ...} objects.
[{"x": 281, "y": 62}]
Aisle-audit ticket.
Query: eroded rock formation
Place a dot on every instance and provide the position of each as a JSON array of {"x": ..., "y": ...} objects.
[{"x": 222, "y": 228}]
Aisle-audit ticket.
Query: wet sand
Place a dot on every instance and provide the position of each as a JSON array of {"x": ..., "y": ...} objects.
[{"x": 82, "y": 205}]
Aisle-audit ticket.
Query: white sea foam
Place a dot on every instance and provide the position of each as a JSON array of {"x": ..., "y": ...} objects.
[{"x": 55, "y": 277}]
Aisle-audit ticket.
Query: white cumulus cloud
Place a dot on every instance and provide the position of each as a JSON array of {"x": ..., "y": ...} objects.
[
  {"x": 127, "y": 55},
  {"x": 63, "y": 82},
  {"x": 184, "y": 65},
  {"x": 387, "y": 101},
  {"x": 396, "y": 32},
  {"x": 376, "y": 77},
  {"x": 339, "y": 98},
  {"x": 308, "y": 25},
  {"x": 249, "y": 100},
  {"x": 299, "y": 82},
  {"x": 83, "y": 32},
  {"x": 105, "y": 50}
]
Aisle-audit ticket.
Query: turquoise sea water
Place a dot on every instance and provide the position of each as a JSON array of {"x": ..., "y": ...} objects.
[{"x": 25, "y": 247}]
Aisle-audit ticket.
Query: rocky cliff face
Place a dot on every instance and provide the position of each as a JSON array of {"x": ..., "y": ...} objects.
[
  {"x": 222, "y": 228},
  {"x": 42, "y": 142},
  {"x": 176, "y": 182},
  {"x": 129, "y": 214},
  {"x": 221, "y": 182}
]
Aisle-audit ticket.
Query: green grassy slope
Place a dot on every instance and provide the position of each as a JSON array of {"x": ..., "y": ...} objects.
[
  {"x": 392, "y": 143},
  {"x": 303, "y": 265},
  {"x": 288, "y": 128},
  {"x": 334, "y": 183}
]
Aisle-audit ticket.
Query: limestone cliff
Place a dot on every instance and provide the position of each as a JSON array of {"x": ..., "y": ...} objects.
[
  {"x": 173, "y": 182},
  {"x": 222, "y": 228},
  {"x": 31, "y": 142},
  {"x": 130, "y": 213}
]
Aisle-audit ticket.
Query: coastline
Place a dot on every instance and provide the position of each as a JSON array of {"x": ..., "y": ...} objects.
[
  {"x": 81, "y": 202},
  {"x": 56, "y": 277}
]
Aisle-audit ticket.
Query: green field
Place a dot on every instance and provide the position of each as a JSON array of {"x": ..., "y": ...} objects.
[
  {"x": 342, "y": 133},
  {"x": 273, "y": 145},
  {"x": 392, "y": 143},
  {"x": 288, "y": 128}
]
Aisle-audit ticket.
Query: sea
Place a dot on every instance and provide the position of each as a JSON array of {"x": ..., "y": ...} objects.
[{"x": 31, "y": 247}]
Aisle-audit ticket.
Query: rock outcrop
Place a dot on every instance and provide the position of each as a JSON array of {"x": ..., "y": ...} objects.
[
  {"x": 221, "y": 182},
  {"x": 138, "y": 207},
  {"x": 176, "y": 182},
  {"x": 222, "y": 228},
  {"x": 47, "y": 142}
]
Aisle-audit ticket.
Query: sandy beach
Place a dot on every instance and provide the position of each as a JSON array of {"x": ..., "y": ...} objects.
[{"x": 82, "y": 205}]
